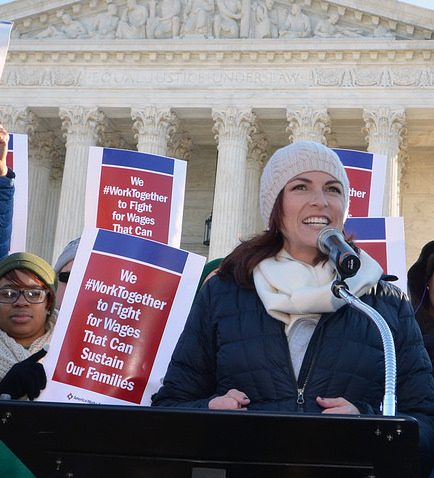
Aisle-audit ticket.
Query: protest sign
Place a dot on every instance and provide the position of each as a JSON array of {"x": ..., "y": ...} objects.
[
  {"x": 124, "y": 308},
  {"x": 5, "y": 34},
  {"x": 17, "y": 160},
  {"x": 136, "y": 193},
  {"x": 383, "y": 239},
  {"x": 366, "y": 174}
]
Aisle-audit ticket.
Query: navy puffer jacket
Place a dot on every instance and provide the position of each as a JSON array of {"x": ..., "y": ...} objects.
[{"x": 230, "y": 341}]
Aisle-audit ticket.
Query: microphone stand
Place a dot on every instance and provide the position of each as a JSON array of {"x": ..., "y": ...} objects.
[{"x": 340, "y": 289}]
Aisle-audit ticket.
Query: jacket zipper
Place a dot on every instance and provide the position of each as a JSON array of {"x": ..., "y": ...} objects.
[
  {"x": 300, "y": 391},
  {"x": 312, "y": 356}
]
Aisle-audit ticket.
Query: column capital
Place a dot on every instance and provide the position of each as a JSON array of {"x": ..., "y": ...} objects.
[
  {"x": 181, "y": 146},
  {"x": 233, "y": 125},
  {"x": 114, "y": 139},
  {"x": 384, "y": 128},
  {"x": 258, "y": 153},
  {"x": 308, "y": 123},
  {"x": 47, "y": 147},
  {"x": 19, "y": 119},
  {"x": 82, "y": 124},
  {"x": 153, "y": 127}
]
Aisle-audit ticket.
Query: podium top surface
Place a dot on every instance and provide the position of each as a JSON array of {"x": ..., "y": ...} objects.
[{"x": 80, "y": 441}]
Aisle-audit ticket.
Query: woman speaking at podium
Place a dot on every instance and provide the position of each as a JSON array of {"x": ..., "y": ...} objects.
[{"x": 267, "y": 333}]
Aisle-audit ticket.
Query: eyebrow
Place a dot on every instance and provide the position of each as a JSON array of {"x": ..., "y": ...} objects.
[
  {"x": 307, "y": 180},
  {"x": 12, "y": 285},
  {"x": 7, "y": 284}
]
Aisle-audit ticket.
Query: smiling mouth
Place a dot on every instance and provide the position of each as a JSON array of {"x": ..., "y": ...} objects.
[{"x": 316, "y": 221}]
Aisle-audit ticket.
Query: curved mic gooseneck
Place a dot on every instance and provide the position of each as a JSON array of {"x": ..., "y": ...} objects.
[
  {"x": 340, "y": 289},
  {"x": 330, "y": 241}
]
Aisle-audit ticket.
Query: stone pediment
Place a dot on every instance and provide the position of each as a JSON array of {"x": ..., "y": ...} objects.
[{"x": 281, "y": 20}]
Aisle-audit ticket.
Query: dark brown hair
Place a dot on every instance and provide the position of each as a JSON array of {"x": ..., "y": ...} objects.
[{"x": 240, "y": 263}]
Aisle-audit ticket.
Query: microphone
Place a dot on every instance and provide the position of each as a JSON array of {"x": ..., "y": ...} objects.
[{"x": 331, "y": 241}]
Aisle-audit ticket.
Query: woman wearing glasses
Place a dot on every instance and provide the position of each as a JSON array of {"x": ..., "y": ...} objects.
[{"x": 27, "y": 318}]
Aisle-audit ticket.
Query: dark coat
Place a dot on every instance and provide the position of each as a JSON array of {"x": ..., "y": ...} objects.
[
  {"x": 419, "y": 276},
  {"x": 230, "y": 341}
]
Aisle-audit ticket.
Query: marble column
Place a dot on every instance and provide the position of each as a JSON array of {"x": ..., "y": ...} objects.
[
  {"x": 47, "y": 153},
  {"x": 39, "y": 188},
  {"x": 256, "y": 158},
  {"x": 82, "y": 127},
  {"x": 233, "y": 128},
  {"x": 50, "y": 220},
  {"x": 385, "y": 128},
  {"x": 57, "y": 162},
  {"x": 153, "y": 128},
  {"x": 309, "y": 124}
]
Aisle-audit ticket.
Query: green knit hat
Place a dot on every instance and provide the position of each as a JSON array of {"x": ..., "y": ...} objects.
[{"x": 32, "y": 263}]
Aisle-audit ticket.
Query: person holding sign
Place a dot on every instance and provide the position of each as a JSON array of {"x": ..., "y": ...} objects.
[
  {"x": 267, "y": 333},
  {"x": 7, "y": 190},
  {"x": 27, "y": 319}
]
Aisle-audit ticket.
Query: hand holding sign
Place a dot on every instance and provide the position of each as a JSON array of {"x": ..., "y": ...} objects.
[
  {"x": 4, "y": 142},
  {"x": 25, "y": 378}
]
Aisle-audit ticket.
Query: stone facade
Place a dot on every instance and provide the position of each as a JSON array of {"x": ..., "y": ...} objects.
[{"x": 221, "y": 84}]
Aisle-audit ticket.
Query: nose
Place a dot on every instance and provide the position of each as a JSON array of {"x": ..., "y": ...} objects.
[
  {"x": 319, "y": 198},
  {"x": 21, "y": 301}
]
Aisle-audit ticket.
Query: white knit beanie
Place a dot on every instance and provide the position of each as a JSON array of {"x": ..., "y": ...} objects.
[
  {"x": 67, "y": 255},
  {"x": 292, "y": 160}
]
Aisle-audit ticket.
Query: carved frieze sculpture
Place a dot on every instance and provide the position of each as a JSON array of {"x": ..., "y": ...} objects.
[{"x": 206, "y": 19}]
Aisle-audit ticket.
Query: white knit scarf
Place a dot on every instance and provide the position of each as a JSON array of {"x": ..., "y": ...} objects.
[
  {"x": 12, "y": 352},
  {"x": 290, "y": 289}
]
